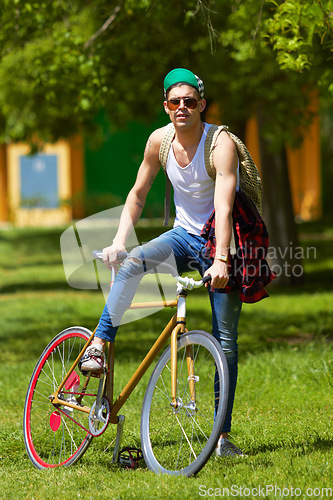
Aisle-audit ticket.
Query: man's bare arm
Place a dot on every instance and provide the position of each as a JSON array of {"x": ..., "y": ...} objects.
[
  {"x": 137, "y": 197},
  {"x": 225, "y": 162}
]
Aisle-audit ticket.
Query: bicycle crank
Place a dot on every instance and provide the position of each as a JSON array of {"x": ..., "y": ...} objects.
[{"x": 99, "y": 417}]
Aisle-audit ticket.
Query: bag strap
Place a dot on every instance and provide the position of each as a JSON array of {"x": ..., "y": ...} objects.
[
  {"x": 163, "y": 157},
  {"x": 166, "y": 144},
  {"x": 249, "y": 177},
  {"x": 210, "y": 143},
  {"x": 167, "y": 200}
]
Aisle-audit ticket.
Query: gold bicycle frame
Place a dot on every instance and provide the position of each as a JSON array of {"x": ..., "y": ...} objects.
[{"x": 173, "y": 329}]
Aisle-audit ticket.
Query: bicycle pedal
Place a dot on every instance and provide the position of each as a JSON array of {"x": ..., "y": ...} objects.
[
  {"x": 129, "y": 458},
  {"x": 102, "y": 373}
]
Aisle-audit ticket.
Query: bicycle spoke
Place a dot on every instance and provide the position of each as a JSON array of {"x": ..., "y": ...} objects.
[
  {"x": 51, "y": 436},
  {"x": 181, "y": 438}
]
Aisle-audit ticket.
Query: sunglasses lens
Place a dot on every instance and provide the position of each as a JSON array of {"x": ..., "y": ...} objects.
[
  {"x": 173, "y": 104},
  {"x": 189, "y": 102}
]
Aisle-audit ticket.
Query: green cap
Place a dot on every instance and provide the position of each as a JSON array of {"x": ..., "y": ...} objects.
[{"x": 181, "y": 75}]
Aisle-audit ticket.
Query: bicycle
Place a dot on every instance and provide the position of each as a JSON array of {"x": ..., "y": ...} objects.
[{"x": 183, "y": 408}]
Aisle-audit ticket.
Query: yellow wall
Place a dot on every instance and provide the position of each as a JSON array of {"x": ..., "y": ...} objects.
[
  {"x": 3, "y": 184},
  {"x": 39, "y": 216},
  {"x": 71, "y": 183}
]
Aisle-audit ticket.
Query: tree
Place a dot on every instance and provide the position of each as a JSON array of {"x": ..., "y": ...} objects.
[
  {"x": 293, "y": 46},
  {"x": 61, "y": 62}
]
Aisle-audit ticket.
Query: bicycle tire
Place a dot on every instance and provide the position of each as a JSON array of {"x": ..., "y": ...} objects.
[
  {"x": 179, "y": 442},
  {"x": 51, "y": 438}
]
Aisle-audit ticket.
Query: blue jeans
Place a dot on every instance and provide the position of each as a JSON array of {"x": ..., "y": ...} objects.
[{"x": 188, "y": 251}]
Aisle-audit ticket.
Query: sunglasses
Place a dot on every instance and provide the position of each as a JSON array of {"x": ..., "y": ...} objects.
[{"x": 189, "y": 102}]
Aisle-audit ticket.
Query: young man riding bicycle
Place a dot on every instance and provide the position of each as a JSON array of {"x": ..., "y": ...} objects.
[{"x": 196, "y": 196}]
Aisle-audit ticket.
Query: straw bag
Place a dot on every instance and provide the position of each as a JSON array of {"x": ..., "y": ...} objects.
[{"x": 249, "y": 178}]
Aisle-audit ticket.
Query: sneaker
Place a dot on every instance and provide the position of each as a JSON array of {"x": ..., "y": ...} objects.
[
  {"x": 92, "y": 360},
  {"x": 227, "y": 449}
]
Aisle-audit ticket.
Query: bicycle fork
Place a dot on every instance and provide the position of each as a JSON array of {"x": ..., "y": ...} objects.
[{"x": 179, "y": 329}]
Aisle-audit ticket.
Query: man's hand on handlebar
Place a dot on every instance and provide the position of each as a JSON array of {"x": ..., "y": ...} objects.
[
  {"x": 110, "y": 255},
  {"x": 219, "y": 274}
]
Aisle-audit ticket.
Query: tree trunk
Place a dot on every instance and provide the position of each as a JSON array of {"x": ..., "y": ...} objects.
[{"x": 284, "y": 253}]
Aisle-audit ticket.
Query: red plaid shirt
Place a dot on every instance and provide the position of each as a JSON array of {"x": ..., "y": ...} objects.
[{"x": 248, "y": 269}]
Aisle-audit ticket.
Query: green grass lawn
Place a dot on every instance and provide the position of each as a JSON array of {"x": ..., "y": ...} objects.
[{"x": 283, "y": 410}]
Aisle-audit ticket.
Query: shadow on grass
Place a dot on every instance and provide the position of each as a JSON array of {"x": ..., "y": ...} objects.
[
  {"x": 41, "y": 247},
  {"x": 301, "y": 448},
  {"x": 259, "y": 330},
  {"x": 132, "y": 341},
  {"x": 31, "y": 241},
  {"x": 34, "y": 287},
  {"x": 315, "y": 281}
]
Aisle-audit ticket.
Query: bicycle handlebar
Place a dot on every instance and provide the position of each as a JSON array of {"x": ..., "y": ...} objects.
[
  {"x": 206, "y": 279},
  {"x": 185, "y": 281},
  {"x": 98, "y": 254}
]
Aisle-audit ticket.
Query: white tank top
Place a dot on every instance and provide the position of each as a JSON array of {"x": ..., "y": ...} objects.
[{"x": 193, "y": 189}]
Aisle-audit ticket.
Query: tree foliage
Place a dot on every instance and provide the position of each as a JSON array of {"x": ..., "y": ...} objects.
[
  {"x": 301, "y": 32},
  {"x": 61, "y": 62}
]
